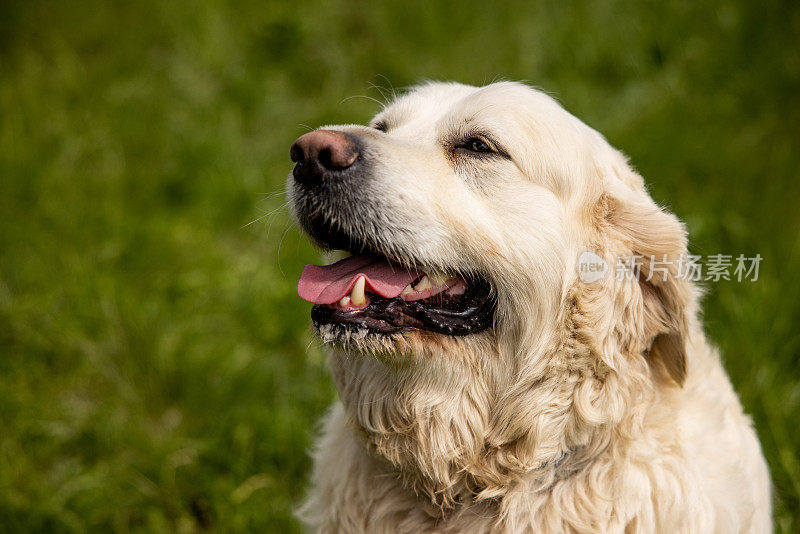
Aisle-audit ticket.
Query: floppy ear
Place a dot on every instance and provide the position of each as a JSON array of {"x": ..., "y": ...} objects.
[{"x": 657, "y": 239}]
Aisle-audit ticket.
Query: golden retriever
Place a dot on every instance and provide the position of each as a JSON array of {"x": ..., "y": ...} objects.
[{"x": 486, "y": 385}]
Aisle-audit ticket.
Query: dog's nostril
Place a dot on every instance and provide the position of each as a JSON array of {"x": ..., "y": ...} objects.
[
  {"x": 326, "y": 160},
  {"x": 296, "y": 153}
]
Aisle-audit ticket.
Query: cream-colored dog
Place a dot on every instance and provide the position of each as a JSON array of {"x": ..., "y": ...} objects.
[{"x": 488, "y": 379}]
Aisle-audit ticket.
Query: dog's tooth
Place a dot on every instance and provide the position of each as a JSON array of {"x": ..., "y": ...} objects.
[
  {"x": 423, "y": 284},
  {"x": 438, "y": 278},
  {"x": 357, "y": 297},
  {"x": 407, "y": 290},
  {"x": 345, "y": 301}
]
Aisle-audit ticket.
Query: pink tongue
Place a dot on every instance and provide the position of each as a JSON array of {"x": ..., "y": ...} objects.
[{"x": 328, "y": 284}]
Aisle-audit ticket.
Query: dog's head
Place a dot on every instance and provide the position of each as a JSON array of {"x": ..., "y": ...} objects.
[{"x": 464, "y": 211}]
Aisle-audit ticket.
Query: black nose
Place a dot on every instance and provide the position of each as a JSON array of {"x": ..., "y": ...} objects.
[{"x": 317, "y": 152}]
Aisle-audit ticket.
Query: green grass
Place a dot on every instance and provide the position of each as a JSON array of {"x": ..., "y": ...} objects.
[{"x": 156, "y": 370}]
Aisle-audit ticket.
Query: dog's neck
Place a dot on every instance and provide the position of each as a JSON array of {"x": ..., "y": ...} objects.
[{"x": 456, "y": 432}]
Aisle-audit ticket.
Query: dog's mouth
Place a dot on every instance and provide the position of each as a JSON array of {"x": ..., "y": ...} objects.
[{"x": 367, "y": 290}]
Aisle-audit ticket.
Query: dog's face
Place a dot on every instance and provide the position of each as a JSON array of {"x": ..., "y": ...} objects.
[{"x": 487, "y": 191}]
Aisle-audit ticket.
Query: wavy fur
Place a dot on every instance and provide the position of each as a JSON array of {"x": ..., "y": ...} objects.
[{"x": 587, "y": 407}]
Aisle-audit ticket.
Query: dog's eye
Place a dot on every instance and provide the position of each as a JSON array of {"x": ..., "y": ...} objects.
[
  {"x": 381, "y": 126},
  {"x": 476, "y": 144}
]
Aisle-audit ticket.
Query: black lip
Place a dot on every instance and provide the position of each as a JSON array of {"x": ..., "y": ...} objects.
[{"x": 469, "y": 313}]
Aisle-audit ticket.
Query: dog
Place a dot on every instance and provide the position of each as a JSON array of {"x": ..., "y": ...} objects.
[{"x": 485, "y": 384}]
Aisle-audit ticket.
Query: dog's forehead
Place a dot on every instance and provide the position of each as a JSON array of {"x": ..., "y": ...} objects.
[
  {"x": 446, "y": 105},
  {"x": 422, "y": 106}
]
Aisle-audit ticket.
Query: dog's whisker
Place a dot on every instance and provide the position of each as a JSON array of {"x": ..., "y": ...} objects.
[
  {"x": 285, "y": 205},
  {"x": 362, "y": 96}
]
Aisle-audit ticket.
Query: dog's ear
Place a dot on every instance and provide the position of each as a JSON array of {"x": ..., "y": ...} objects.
[{"x": 654, "y": 242}]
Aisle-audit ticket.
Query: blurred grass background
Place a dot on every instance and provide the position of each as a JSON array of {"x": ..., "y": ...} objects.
[{"x": 156, "y": 370}]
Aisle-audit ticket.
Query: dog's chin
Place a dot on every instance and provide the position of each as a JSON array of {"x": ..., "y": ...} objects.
[
  {"x": 403, "y": 348},
  {"x": 363, "y": 340}
]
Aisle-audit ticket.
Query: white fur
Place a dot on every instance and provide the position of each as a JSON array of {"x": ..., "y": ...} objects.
[{"x": 587, "y": 407}]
